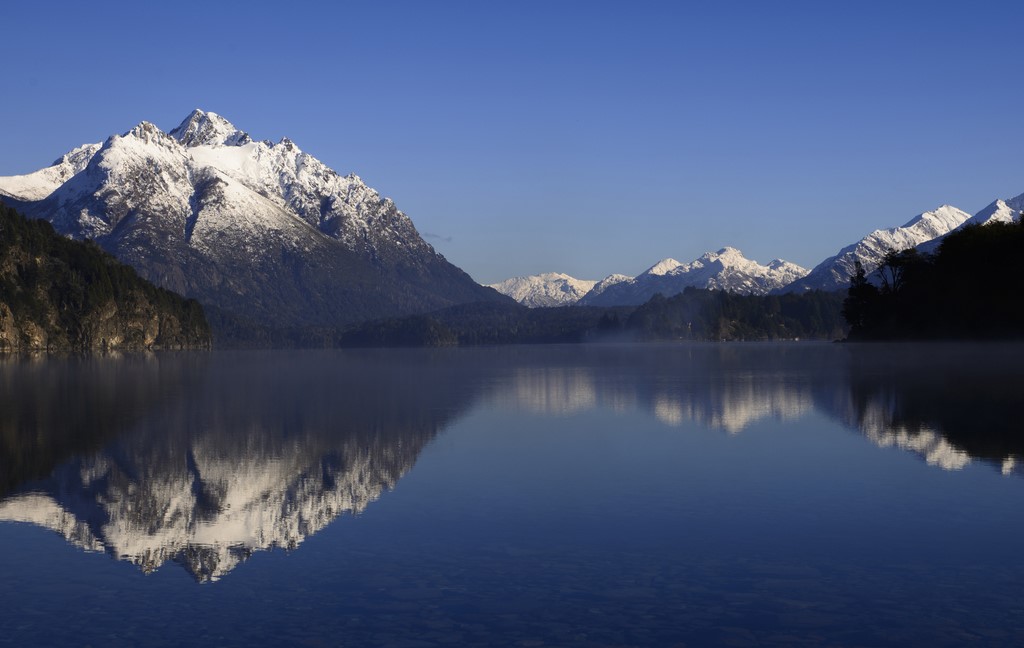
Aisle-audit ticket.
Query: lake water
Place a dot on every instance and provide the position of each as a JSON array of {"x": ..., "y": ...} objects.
[{"x": 605, "y": 495}]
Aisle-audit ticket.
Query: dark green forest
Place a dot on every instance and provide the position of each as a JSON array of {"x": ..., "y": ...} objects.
[
  {"x": 56, "y": 293},
  {"x": 969, "y": 289},
  {"x": 698, "y": 314}
]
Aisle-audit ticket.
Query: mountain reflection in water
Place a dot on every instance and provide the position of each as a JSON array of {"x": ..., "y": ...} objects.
[{"x": 202, "y": 459}]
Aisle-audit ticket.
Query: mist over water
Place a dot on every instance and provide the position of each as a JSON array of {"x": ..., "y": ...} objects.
[{"x": 631, "y": 494}]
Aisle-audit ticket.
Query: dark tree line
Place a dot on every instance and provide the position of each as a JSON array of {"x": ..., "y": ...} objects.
[
  {"x": 699, "y": 315},
  {"x": 969, "y": 289}
]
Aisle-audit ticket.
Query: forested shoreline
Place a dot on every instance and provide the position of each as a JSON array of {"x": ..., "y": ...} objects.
[{"x": 58, "y": 294}]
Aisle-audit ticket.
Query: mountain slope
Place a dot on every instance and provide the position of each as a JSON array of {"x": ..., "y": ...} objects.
[
  {"x": 834, "y": 272},
  {"x": 548, "y": 289},
  {"x": 261, "y": 231},
  {"x": 726, "y": 270}
]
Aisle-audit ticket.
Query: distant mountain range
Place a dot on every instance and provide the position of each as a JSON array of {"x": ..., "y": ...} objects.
[
  {"x": 260, "y": 231},
  {"x": 726, "y": 269},
  {"x": 730, "y": 271}
]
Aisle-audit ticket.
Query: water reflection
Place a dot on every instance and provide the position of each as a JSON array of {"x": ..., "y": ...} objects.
[
  {"x": 203, "y": 459},
  {"x": 950, "y": 404},
  {"x": 180, "y": 458},
  {"x": 721, "y": 387}
]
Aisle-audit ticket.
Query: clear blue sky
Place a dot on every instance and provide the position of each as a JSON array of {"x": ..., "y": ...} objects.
[{"x": 582, "y": 137}]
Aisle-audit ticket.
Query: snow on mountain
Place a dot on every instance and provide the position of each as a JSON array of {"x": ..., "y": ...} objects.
[
  {"x": 726, "y": 269},
  {"x": 607, "y": 283},
  {"x": 834, "y": 272},
  {"x": 548, "y": 289},
  {"x": 40, "y": 184},
  {"x": 208, "y": 129},
  {"x": 999, "y": 211},
  {"x": 261, "y": 230},
  {"x": 663, "y": 267}
]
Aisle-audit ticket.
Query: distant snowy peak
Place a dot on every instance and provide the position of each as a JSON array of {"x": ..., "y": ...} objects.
[
  {"x": 608, "y": 282},
  {"x": 76, "y": 159},
  {"x": 834, "y": 272},
  {"x": 663, "y": 267},
  {"x": 40, "y": 184},
  {"x": 1000, "y": 211},
  {"x": 544, "y": 290},
  {"x": 208, "y": 129},
  {"x": 728, "y": 260},
  {"x": 727, "y": 269}
]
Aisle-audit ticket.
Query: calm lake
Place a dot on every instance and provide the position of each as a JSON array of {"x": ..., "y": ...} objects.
[{"x": 606, "y": 495}]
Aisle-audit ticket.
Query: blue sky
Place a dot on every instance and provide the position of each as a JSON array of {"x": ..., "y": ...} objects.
[{"x": 582, "y": 137}]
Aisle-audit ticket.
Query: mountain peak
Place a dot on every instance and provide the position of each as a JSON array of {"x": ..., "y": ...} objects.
[
  {"x": 944, "y": 217},
  {"x": 289, "y": 145},
  {"x": 147, "y": 132},
  {"x": 999, "y": 211},
  {"x": 727, "y": 269},
  {"x": 202, "y": 128},
  {"x": 663, "y": 267},
  {"x": 727, "y": 253}
]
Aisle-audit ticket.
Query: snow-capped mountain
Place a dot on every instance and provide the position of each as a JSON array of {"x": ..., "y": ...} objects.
[
  {"x": 548, "y": 289},
  {"x": 39, "y": 185},
  {"x": 726, "y": 269},
  {"x": 999, "y": 211},
  {"x": 262, "y": 230},
  {"x": 834, "y": 272},
  {"x": 608, "y": 282}
]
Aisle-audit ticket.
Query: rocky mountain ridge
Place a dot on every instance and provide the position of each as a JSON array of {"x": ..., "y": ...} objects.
[
  {"x": 548, "y": 289},
  {"x": 727, "y": 269},
  {"x": 261, "y": 231},
  {"x": 834, "y": 272}
]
